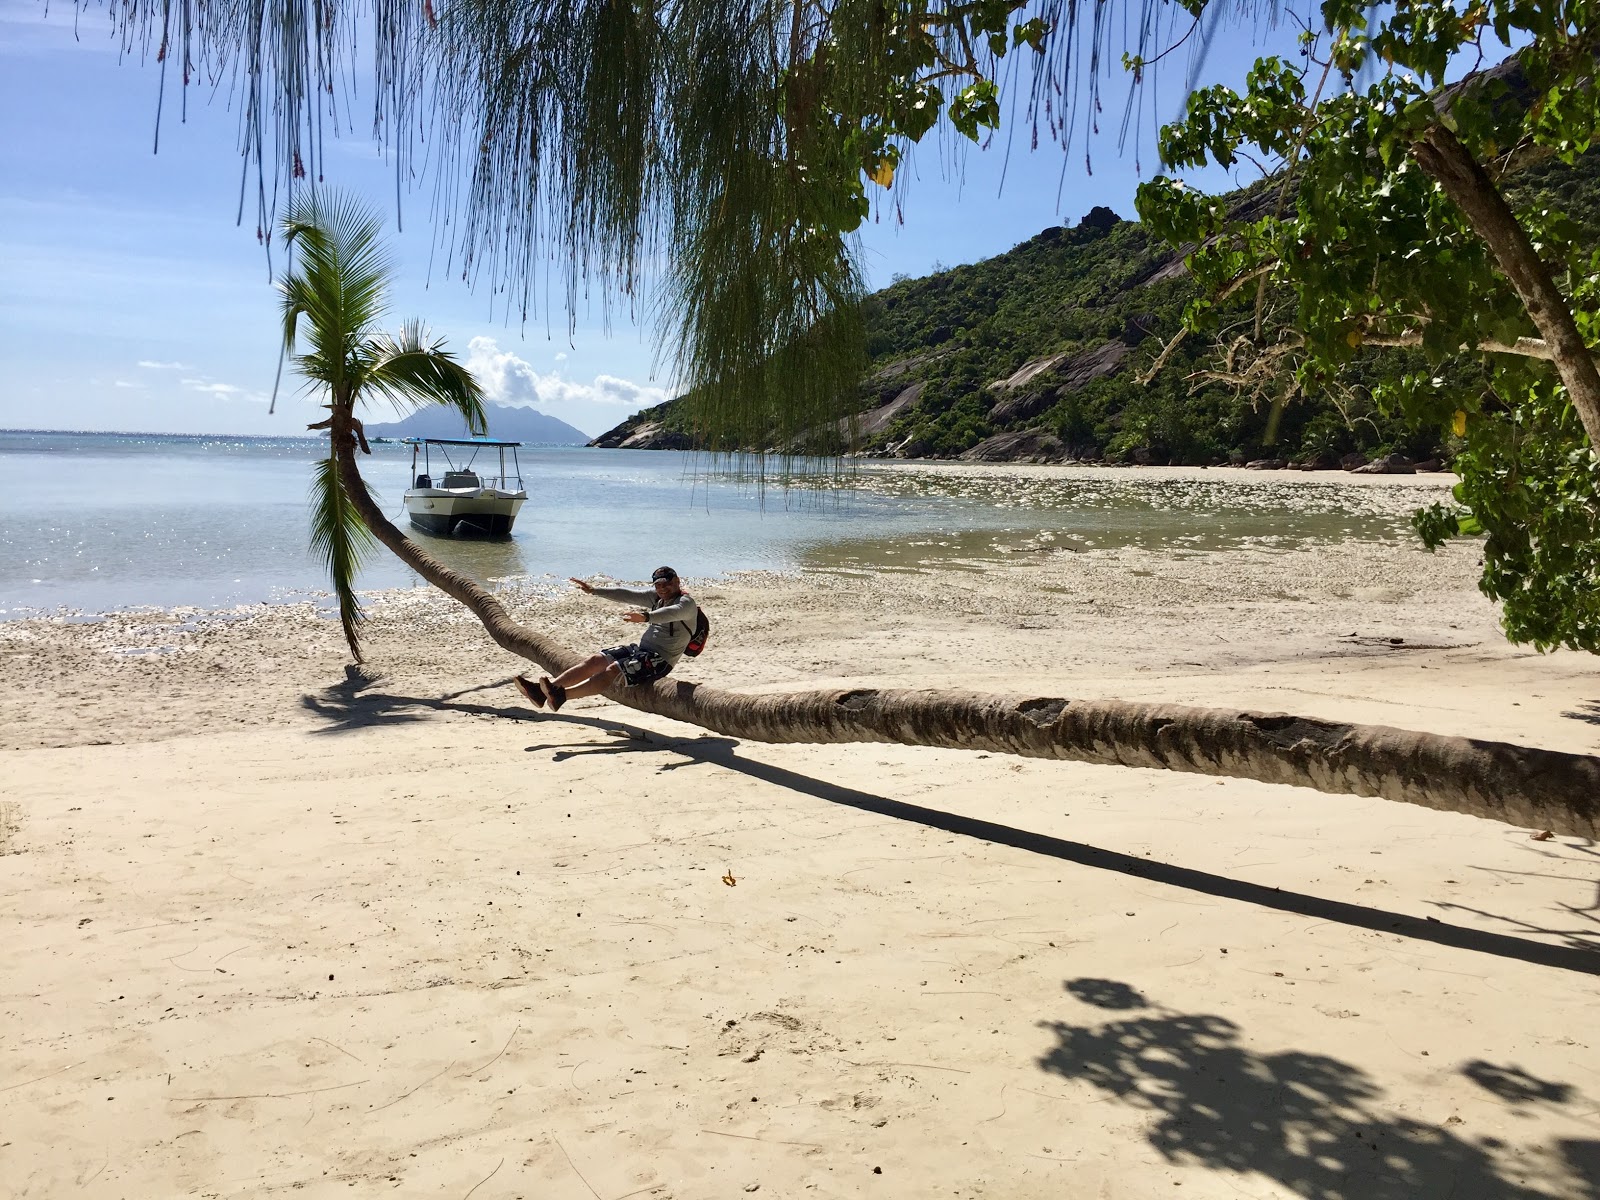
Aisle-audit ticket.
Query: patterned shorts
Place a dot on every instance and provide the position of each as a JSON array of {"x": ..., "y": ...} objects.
[{"x": 638, "y": 666}]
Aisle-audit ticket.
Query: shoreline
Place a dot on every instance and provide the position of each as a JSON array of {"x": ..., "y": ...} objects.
[
  {"x": 1046, "y": 508},
  {"x": 1261, "y": 628}
]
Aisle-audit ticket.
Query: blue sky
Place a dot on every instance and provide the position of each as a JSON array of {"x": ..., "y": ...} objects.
[{"x": 130, "y": 299}]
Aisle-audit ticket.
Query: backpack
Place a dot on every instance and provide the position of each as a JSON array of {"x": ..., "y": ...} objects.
[{"x": 697, "y": 639}]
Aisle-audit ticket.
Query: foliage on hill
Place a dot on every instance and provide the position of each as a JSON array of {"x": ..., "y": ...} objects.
[{"x": 1069, "y": 294}]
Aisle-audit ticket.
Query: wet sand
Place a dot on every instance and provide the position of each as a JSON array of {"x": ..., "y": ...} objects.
[{"x": 275, "y": 924}]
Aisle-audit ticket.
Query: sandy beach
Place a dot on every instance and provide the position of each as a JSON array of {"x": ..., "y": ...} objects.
[{"x": 276, "y": 925}]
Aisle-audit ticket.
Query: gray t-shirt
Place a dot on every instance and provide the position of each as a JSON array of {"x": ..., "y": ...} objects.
[{"x": 671, "y": 624}]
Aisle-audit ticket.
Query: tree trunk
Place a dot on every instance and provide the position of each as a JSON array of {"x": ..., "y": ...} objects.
[
  {"x": 1441, "y": 154},
  {"x": 1519, "y": 785}
]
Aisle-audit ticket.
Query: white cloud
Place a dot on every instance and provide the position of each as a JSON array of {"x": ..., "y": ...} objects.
[
  {"x": 123, "y": 383},
  {"x": 214, "y": 389},
  {"x": 224, "y": 391},
  {"x": 161, "y": 366},
  {"x": 561, "y": 356},
  {"x": 510, "y": 380}
]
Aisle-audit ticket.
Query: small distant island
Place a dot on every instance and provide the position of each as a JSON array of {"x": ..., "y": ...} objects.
[{"x": 513, "y": 424}]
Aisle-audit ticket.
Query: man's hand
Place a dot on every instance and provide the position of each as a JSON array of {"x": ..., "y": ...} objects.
[
  {"x": 638, "y": 618},
  {"x": 581, "y": 584}
]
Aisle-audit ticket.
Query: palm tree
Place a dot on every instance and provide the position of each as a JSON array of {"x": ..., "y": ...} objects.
[
  {"x": 333, "y": 300},
  {"x": 730, "y": 139}
]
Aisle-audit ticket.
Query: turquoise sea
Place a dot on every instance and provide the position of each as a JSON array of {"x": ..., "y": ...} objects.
[{"x": 100, "y": 522}]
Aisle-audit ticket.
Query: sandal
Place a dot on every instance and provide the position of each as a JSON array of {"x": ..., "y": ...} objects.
[
  {"x": 555, "y": 695},
  {"x": 534, "y": 696}
]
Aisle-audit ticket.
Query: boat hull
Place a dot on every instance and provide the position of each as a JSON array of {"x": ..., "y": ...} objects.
[{"x": 486, "y": 513}]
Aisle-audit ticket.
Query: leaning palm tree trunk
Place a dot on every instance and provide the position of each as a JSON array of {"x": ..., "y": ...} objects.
[{"x": 1519, "y": 785}]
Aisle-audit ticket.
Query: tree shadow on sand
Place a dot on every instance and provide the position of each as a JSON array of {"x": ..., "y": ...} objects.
[
  {"x": 1587, "y": 710},
  {"x": 1559, "y": 856},
  {"x": 1514, "y": 1085},
  {"x": 1311, "y": 1123},
  {"x": 353, "y": 704}
]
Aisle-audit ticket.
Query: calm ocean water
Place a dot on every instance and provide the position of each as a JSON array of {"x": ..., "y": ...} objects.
[{"x": 98, "y": 522}]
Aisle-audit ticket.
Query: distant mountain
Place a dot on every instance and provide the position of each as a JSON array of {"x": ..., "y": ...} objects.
[{"x": 506, "y": 422}]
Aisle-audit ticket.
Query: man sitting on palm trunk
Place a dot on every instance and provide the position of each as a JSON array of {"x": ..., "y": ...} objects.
[{"x": 669, "y": 612}]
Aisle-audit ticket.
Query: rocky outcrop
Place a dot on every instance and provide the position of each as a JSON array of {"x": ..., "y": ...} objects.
[
  {"x": 1051, "y": 378},
  {"x": 1389, "y": 464},
  {"x": 1022, "y": 445},
  {"x": 1098, "y": 221},
  {"x": 1028, "y": 372},
  {"x": 871, "y": 424},
  {"x": 866, "y": 431},
  {"x": 650, "y": 435},
  {"x": 1317, "y": 462},
  {"x": 890, "y": 378},
  {"x": 1139, "y": 327},
  {"x": 1175, "y": 266}
]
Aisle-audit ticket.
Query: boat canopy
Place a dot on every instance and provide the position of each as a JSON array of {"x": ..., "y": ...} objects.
[{"x": 422, "y": 441}]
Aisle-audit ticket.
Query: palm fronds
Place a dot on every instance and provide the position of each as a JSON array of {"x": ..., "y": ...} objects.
[
  {"x": 412, "y": 372},
  {"x": 342, "y": 540},
  {"x": 338, "y": 282}
]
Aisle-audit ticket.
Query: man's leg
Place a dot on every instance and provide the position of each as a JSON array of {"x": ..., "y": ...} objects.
[
  {"x": 594, "y": 684},
  {"x": 587, "y": 679},
  {"x": 591, "y": 666},
  {"x": 573, "y": 677}
]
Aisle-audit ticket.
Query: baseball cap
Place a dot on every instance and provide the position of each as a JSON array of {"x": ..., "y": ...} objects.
[{"x": 661, "y": 573}]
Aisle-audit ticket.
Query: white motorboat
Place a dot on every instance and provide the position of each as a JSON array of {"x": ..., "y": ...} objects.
[{"x": 464, "y": 500}]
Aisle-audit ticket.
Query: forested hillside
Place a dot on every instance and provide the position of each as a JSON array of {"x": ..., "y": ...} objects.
[{"x": 1042, "y": 353}]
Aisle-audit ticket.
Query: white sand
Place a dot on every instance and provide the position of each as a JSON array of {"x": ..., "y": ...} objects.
[{"x": 272, "y": 927}]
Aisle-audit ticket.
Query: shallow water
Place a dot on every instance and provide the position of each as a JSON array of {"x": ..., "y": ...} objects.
[{"x": 107, "y": 521}]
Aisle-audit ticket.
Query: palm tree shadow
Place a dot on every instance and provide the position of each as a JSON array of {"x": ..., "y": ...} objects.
[
  {"x": 1584, "y": 932},
  {"x": 721, "y": 752},
  {"x": 1579, "y": 938},
  {"x": 1311, "y": 1123},
  {"x": 351, "y": 704}
]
